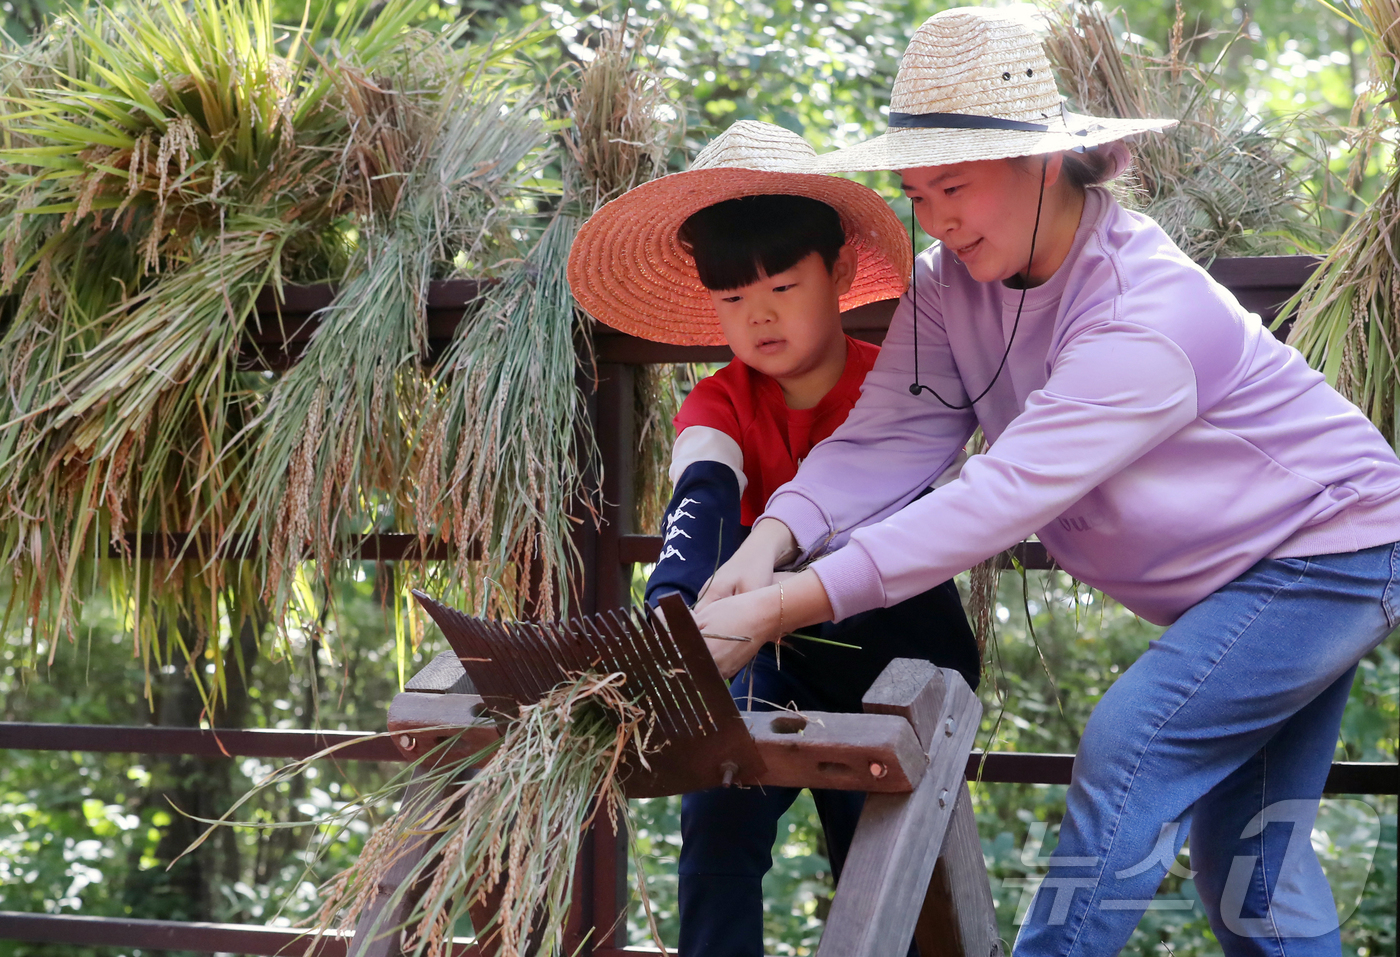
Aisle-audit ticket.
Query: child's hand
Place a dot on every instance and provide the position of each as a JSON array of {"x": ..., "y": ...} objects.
[
  {"x": 731, "y": 656},
  {"x": 751, "y": 567}
]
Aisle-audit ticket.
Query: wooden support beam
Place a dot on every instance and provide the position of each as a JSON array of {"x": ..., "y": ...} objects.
[
  {"x": 959, "y": 917},
  {"x": 616, "y": 436},
  {"x": 846, "y": 752},
  {"x": 420, "y": 723},
  {"x": 912, "y": 689},
  {"x": 378, "y": 933},
  {"x": 869, "y": 752},
  {"x": 900, "y": 836}
]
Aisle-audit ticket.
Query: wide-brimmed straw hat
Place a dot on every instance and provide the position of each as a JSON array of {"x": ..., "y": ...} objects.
[
  {"x": 975, "y": 85},
  {"x": 627, "y": 267}
]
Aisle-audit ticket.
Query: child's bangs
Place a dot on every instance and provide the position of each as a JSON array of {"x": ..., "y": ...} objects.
[{"x": 737, "y": 242}]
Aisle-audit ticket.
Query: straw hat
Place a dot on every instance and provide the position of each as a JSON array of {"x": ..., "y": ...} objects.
[
  {"x": 975, "y": 85},
  {"x": 628, "y": 270}
]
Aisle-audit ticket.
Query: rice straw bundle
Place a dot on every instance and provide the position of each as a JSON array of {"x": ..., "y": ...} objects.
[
  {"x": 500, "y": 448},
  {"x": 152, "y": 181},
  {"x": 1344, "y": 317},
  {"x": 1222, "y": 182},
  {"x": 624, "y": 121},
  {"x": 336, "y": 436},
  {"x": 163, "y": 164},
  {"x": 657, "y": 398},
  {"x": 505, "y": 840},
  {"x": 503, "y": 442}
]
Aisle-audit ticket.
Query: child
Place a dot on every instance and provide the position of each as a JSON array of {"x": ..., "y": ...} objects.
[
  {"x": 750, "y": 249},
  {"x": 1164, "y": 447}
]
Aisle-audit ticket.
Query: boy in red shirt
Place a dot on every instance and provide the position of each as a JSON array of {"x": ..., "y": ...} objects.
[{"x": 747, "y": 249}]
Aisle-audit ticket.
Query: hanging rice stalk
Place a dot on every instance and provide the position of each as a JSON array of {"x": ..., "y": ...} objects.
[
  {"x": 500, "y": 452},
  {"x": 983, "y": 579},
  {"x": 153, "y": 178},
  {"x": 161, "y": 165},
  {"x": 503, "y": 445},
  {"x": 1221, "y": 183},
  {"x": 624, "y": 121},
  {"x": 1344, "y": 316},
  {"x": 336, "y": 434},
  {"x": 657, "y": 399}
]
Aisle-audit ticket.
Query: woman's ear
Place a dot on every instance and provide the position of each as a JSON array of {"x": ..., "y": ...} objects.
[
  {"x": 1054, "y": 163},
  {"x": 843, "y": 270}
]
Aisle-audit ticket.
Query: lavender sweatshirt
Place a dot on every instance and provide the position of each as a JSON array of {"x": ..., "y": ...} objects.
[{"x": 1147, "y": 428}]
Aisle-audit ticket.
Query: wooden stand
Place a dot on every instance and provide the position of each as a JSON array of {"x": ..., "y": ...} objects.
[{"x": 915, "y": 868}]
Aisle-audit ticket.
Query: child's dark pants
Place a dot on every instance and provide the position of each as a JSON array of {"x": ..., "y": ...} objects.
[{"x": 727, "y": 834}]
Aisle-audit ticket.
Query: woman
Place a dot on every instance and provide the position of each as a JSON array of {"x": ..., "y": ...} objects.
[{"x": 1163, "y": 446}]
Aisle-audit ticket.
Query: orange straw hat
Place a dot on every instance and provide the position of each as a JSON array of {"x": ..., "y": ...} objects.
[
  {"x": 975, "y": 84},
  {"x": 627, "y": 267}
]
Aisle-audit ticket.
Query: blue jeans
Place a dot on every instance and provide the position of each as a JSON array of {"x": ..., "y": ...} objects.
[
  {"x": 727, "y": 834},
  {"x": 1225, "y": 728}
]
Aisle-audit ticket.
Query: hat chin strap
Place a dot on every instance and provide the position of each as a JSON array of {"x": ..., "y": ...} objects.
[{"x": 915, "y": 387}]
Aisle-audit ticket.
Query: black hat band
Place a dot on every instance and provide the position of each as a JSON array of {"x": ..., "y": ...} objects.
[{"x": 961, "y": 121}]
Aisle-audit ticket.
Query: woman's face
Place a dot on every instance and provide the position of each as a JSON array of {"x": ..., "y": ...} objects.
[{"x": 984, "y": 212}]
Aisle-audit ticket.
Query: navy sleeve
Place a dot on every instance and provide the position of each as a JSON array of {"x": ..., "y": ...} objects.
[{"x": 699, "y": 533}]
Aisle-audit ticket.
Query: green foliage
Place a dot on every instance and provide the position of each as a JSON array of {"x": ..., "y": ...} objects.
[
  {"x": 796, "y": 892},
  {"x": 93, "y": 833},
  {"x": 97, "y": 832}
]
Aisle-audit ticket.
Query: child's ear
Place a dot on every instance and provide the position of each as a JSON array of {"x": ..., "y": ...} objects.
[{"x": 843, "y": 270}]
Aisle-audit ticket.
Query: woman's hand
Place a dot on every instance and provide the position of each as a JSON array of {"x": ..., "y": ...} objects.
[
  {"x": 750, "y": 568},
  {"x": 763, "y": 615},
  {"x": 752, "y": 615}
]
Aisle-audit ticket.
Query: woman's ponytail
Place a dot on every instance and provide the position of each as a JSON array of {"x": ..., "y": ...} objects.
[{"x": 1095, "y": 166}]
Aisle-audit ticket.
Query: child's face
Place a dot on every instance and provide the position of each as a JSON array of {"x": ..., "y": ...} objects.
[
  {"x": 983, "y": 211},
  {"x": 786, "y": 325}
]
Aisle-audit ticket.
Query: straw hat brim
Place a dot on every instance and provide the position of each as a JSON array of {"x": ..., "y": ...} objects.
[
  {"x": 915, "y": 148},
  {"x": 627, "y": 267}
]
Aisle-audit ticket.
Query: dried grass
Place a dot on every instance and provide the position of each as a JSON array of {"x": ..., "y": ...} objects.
[
  {"x": 162, "y": 164},
  {"x": 1344, "y": 316},
  {"x": 505, "y": 438},
  {"x": 507, "y": 839},
  {"x": 1222, "y": 182},
  {"x": 337, "y": 444},
  {"x": 502, "y": 841},
  {"x": 151, "y": 185}
]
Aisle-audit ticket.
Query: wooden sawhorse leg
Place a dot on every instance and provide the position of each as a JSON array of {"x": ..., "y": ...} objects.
[
  {"x": 920, "y": 848},
  {"x": 379, "y": 931},
  {"x": 959, "y": 918}
]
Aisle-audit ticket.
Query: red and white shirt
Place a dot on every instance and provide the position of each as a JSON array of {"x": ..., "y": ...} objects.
[{"x": 738, "y": 417}]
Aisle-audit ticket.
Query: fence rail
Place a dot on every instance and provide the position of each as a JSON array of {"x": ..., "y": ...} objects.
[{"x": 996, "y": 767}]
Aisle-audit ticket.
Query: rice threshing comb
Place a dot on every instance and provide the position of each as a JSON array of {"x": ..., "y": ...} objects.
[{"x": 698, "y": 739}]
